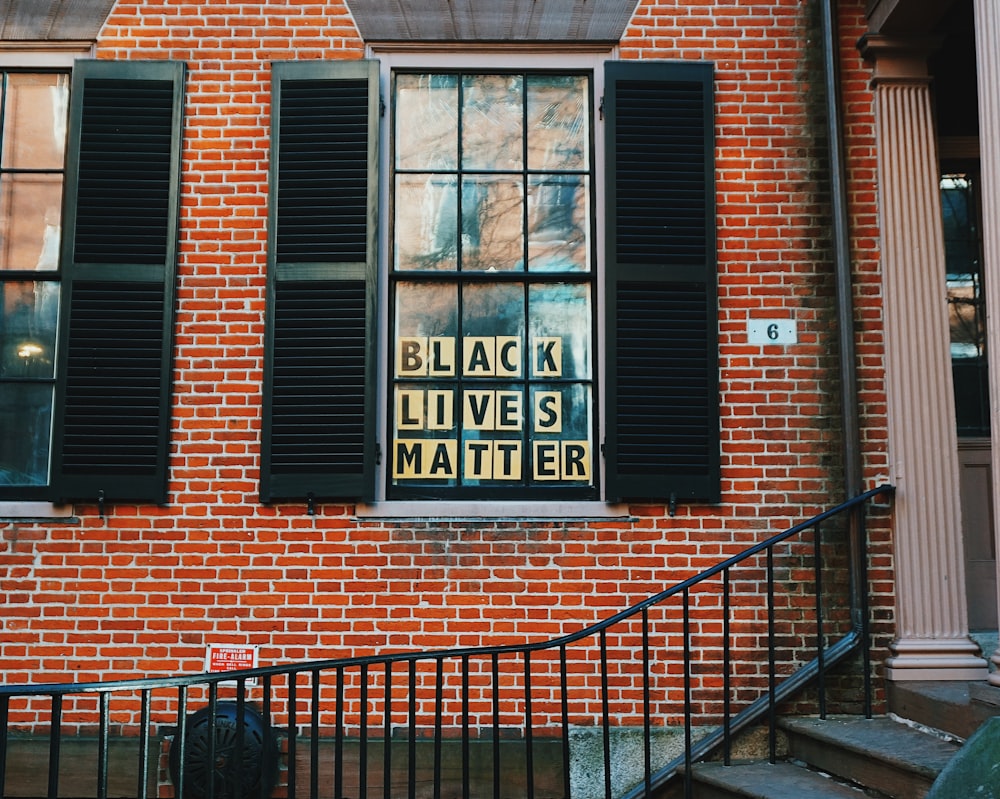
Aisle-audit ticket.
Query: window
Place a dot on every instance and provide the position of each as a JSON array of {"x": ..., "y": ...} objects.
[
  {"x": 489, "y": 347},
  {"x": 89, "y": 177},
  {"x": 966, "y": 306},
  {"x": 492, "y": 286},
  {"x": 33, "y": 112}
]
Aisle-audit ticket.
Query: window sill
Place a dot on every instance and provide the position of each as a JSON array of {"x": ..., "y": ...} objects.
[
  {"x": 21, "y": 511},
  {"x": 491, "y": 510}
]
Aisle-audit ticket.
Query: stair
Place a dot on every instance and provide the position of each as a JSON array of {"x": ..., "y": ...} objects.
[{"x": 850, "y": 757}]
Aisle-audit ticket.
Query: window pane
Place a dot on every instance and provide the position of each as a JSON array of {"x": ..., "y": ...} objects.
[
  {"x": 25, "y": 421},
  {"x": 424, "y": 310},
  {"x": 489, "y": 310},
  {"x": 34, "y": 130},
  {"x": 492, "y": 223},
  {"x": 426, "y": 122},
  {"x": 28, "y": 315},
  {"x": 426, "y": 223},
  {"x": 30, "y": 221},
  {"x": 559, "y": 223},
  {"x": 560, "y": 331},
  {"x": 558, "y": 131},
  {"x": 492, "y": 122}
]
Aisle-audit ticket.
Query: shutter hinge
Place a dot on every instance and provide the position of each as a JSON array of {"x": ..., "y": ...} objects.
[
  {"x": 381, "y": 106},
  {"x": 100, "y": 503},
  {"x": 600, "y": 109},
  {"x": 672, "y": 507},
  {"x": 378, "y": 454}
]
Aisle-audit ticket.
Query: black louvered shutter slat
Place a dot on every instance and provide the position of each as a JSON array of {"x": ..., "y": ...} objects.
[
  {"x": 319, "y": 378},
  {"x": 118, "y": 259},
  {"x": 662, "y": 375},
  {"x": 124, "y": 172},
  {"x": 319, "y": 371}
]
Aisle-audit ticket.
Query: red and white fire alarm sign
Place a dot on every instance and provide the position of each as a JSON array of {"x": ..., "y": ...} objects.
[{"x": 231, "y": 657}]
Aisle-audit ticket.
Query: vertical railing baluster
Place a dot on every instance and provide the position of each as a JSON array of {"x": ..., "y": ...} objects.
[
  {"x": 141, "y": 790},
  {"x": 411, "y": 743},
  {"x": 438, "y": 712},
  {"x": 495, "y": 665},
  {"x": 268, "y": 741},
  {"x": 181, "y": 741},
  {"x": 727, "y": 708},
  {"x": 647, "y": 727},
  {"x": 605, "y": 712},
  {"x": 314, "y": 703},
  {"x": 564, "y": 707},
  {"x": 772, "y": 721},
  {"x": 102, "y": 745},
  {"x": 686, "y": 634},
  {"x": 529, "y": 740},
  {"x": 820, "y": 637},
  {"x": 293, "y": 731},
  {"x": 234, "y": 772},
  {"x": 466, "y": 770},
  {"x": 363, "y": 735},
  {"x": 55, "y": 740},
  {"x": 387, "y": 748},
  {"x": 338, "y": 736},
  {"x": 213, "y": 707},
  {"x": 4, "y": 715}
]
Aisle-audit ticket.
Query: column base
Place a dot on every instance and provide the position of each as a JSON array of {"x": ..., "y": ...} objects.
[
  {"x": 936, "y": 659},
  {"x": 994, "y": 678}
]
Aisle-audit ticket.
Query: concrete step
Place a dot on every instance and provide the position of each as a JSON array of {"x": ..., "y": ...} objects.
[
  {"x": 957, "y": 707},
  {"x": 756, "y": 780},
  {"x": 883, "y": 754}
]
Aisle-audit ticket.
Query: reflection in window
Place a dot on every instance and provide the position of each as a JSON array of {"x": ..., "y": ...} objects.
[
  {"x": 32, "y": 153},
  {"x": 966, "y": 308},
  {"x": 492, "y": 287}
]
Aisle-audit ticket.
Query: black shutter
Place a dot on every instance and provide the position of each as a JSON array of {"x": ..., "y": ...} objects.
[
  {"x": 662, "y": 365},
  {"x": 119, "y": 255},
  {"x": 319, "y": 390}
]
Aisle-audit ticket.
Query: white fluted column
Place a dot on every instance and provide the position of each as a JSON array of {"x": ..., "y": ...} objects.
[
  {"x": 932, "y": 640},
  {"x": 988, "y": 80}
]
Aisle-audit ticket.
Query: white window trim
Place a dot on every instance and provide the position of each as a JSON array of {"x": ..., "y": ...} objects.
[
  {"x": 23, "y": 511},
  {"x": 33, "y": 55},
  {"x": 393, "y": 57},
  {"x": 47, "y": 55}
]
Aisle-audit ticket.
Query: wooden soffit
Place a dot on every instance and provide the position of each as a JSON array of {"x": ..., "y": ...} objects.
[
  {"x": 899, "y": 17},
  {"x": 52, "y": 20},
  {"x": 492, "y": 20}
]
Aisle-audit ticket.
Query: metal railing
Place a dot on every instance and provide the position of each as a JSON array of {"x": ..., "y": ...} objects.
[{"x": 682, "y": 672}]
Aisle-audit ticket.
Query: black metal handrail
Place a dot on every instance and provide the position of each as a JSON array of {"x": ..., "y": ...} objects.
[{"x": 655, "y": 667}]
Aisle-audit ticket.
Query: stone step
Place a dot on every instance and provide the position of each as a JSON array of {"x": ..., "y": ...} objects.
[
  {"x": 956, "y": 707},
  {"x": 756, "y": 780},
  {"x": 883, "y": 754}
]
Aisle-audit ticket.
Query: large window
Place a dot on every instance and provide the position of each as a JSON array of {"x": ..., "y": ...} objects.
[
  {"x": 33, "y": 115},
  {"x": 503, "y": 287},
  {"x": 492, "y": 300}
]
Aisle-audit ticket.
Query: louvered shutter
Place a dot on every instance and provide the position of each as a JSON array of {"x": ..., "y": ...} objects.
[
  {"x": 662, "y": 404},
  {"x": 319, "y": 392},
  {"x": 118, "y": 255}
]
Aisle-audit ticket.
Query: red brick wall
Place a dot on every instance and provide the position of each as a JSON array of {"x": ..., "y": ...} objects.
[{"x": 143, "y": 590}]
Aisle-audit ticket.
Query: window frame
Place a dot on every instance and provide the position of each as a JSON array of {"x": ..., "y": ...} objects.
[
  {"x": 35, "y": 58},
  {"x": 493, "y": 504},
  {"x": 527, "y": 489}
]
